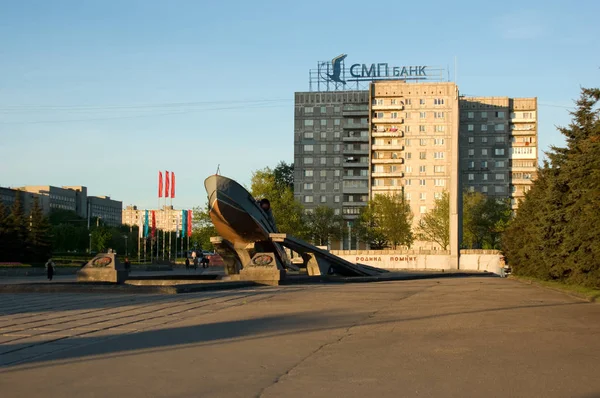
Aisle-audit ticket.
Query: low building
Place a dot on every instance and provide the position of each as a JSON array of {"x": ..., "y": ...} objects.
[{"x": 106, "y": 209}]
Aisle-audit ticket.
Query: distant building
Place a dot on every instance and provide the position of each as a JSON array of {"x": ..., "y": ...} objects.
[
  {"x": 167, "y": 218},
  {"x": 72, "y": 198}
]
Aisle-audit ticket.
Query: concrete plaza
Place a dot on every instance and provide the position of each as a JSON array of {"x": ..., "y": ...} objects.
[{"x": 451, "y": 337}]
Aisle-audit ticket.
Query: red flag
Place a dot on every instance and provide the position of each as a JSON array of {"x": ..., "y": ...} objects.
[
  {"x": 189, "y": 223},
  {"x": 172, "y": 184},
  {"x": 160, "y": 185},
  {"x": 167, "y": 189},
  {"x": 153, "y": 224}
]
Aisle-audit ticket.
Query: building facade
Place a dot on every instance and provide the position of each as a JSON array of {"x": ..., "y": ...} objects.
[
  {"x": 412, "y": 138},
  {"x": 71, "y": 198},
  {"x": 167, "y": 218}
]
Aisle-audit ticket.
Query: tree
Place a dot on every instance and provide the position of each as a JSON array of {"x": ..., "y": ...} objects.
[
  {"x": 484, "y": 220},
  {"x": 324, "y": 225},
  {"x": 553, "y": 235},
  {"x": 39, "y": 233},
  {"x": 387, "y": 218},
  {"x": 434, "y": 226},
  {"x": 4, "y": 233},
  {"x": 203, "y": 228},
  {"x": 284, "y": 175},
  {"x": 101, "y": 238},
  {"x": 287, "y": 211},
  {"x": 17, "y": 231}
]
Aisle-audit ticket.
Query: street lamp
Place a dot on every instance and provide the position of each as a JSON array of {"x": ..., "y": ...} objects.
[
  {"x": 90, "y": 250},
  {"x": 126, "y": 249}
]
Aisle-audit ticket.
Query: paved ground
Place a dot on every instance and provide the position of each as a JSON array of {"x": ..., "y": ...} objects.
[{"x": 457, "y": 337}]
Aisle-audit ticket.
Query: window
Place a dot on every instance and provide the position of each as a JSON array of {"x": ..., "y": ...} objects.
[
  {"x": 422, "y": 115},
  {"x": 308, "y": 122},
  {"x": 408, "y": 169},
  {"x": 337, "y": 160},
  {"x": 336, "y": 147},
  {"x": 438, "y": 101},
  {"x": 308, "y": 109},
  {"x": 323, "y": 173},
  {"x": 499, "y": 176},
  {"x": 499, "y": 164},
  {"x": 484, "y": 115},
  {"x": 394, "y": 115},
  {"x": 423, "y": 209},
  {"x": 407, "y": 196},
  {"x": 484, "y": 127},
  {"x": 323, "y": 135},
  {"x": 484, "y": 152},
  {"x": 499, "y": 127},
  {"x": 423, "y": 196},
  {"x": 323, "y": 199},
  {"x": 308, "y": 160},
  {"x": 470, "y": 127},
  {"x": 336, "y": 173},
  {"x": 438, "y": 141},
  {"x": 337, "y": 122},
  {"x": 421, "y": 102},
  {"x": 308, "y": 199},
  {"x": 336, "y": 212},
  {"x": 470, "y": 115},
  {"x": 499, "y": 189},
  {"x": 308, "y": 135},
  {"x": 423, "y": 141},
  {"x": 323, "y": 148},
  {"x": 323, "y": 161},
  {"x": 336, "y": 186},
  {"x": 471, "y": 189},
  {"x": 407, "y": 115},
  {"x": 438, "y": 182},
  {"x": 439, "y": 129},
  {"x": 407, "y": 142},
  {"x": 323, "y": 186},
  {"x": 439, "y": 169},
  {"x": 471, "y": 140},
  {"x": 408, "y": 155},
  {"x": 379, "y": 115},
  {"x": 323, "y": 122},
  {"x": 422, "y": 155},
  {"x": 484, "y": 164},
  {"x": 336, "y": 109},
  {"x": 408, "y": 182},
  {"x": 422, "y": 182},
  {"x": 393, "y": 101},
  {"x": 422, "y": 169},
  {"x": 485, "y": 176},
  {"x": 336, "y": 198},
  {"x": 499, "y": 114},
  {"x": 471, "y": 164},
  {"x": 484, "y": 140},
  {"x": 484, "y": 189},
  {"x": 438, "y": 115},
  {"x": 499, "y": 138},
  {"x": 308, "y": 148},
  {"x": 421, "y": 128},
  {"x": 471, "y": 176},
  {"x": 308, "y": 173},
  {"x": 499, "y": 151},
  {"x": 308, "y": 186},
  {"x": 438, "y": 155},
  {"x": 471, "y": 152},
  {"x": 323, "y": 110},
  {"x": 408, "y": 101},
  {"x": 437, "y": 195}
]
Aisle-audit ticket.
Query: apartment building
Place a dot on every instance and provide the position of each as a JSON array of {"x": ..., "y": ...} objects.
[{"x": 167, "y": 218}]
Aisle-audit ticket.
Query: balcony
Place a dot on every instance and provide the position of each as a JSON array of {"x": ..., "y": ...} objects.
[
  {"x": 395, "y": 174},
  {"x": 354, "y": 204},
  {"x": 387, "y": 161},
  {"x": 388, "y": 147},
  {"x": 388, "y": 120},
  {"x": 356, "y": 164},
  {"x": 391, "y": 134},
  {"x": 391, "y": 107},
  {"x": 356, "y": 138},
  {"x": 356, "y": 151},
  {"x": 521, "y": 181},
  {"x": 357, "y": 126},
  {"x": 380, "y": 188},
  {"x": 522, "y": 120}
]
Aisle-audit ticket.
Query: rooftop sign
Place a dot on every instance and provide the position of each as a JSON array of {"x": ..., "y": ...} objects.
[{"x": 333, "y": 75}]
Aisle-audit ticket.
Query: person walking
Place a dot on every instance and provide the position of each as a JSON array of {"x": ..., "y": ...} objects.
[
  {"x": 50, "y": 269},
  {"x": 195, "y": 263},
  {"x": 187, "y": 263}
]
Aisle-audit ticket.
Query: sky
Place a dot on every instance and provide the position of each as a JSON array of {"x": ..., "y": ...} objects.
[{"x": 106, "y": 93}]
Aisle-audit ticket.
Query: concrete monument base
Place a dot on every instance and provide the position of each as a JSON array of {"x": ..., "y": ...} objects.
[
  {"x": 263, "y": 269},
  {"x": 105, "y": 267}
]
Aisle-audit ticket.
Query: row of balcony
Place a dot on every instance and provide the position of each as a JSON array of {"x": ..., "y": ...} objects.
[{"x": 388, "y": 107}]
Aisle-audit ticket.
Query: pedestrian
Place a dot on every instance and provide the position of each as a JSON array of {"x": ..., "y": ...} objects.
[
  {"x": 50, "y": 269},
  {"x": 127, "y": 264},
  {"x": 195, "y": 262},
  {"x": 205, "y": 262},
  {"x": 187, "y": 263}
]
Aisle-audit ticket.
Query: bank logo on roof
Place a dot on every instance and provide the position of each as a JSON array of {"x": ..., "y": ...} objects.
[{"x": 336, "y": 65}]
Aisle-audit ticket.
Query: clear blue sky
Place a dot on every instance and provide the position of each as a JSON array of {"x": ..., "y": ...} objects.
[{"x": 79, "y": 79}]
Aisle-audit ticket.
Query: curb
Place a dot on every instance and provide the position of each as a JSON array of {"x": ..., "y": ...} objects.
[{"x": 576, "y": 295}]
